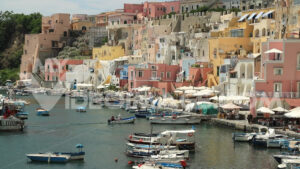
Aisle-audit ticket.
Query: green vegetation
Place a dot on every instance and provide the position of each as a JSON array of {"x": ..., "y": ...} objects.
[
  {"x": 78, "y": 49},
  {"x": 8, "y": 74},
  {"x": 13, "y": 27}
]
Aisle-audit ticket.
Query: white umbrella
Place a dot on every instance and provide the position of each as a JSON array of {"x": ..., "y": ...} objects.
[
  {"x": 230, "y": 106},
  {"x": 206, "y": 92},
  {"x": 293, "y": 114},
  {"x": 200, "y": 88},
  {"x": 280, "y": 109},
  {"x": 273, "y": 51},
  {"x": 265, "y": 110},
  {"x": 294, "y": 109},
  {"x": 178, "y": 91}
]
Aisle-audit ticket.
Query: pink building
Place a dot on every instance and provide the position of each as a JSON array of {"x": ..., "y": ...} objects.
[
  {"x": 280, "y": 72},
  {"x": 155, "y": 75},
  {"x": 153, "y": 9},
  {"x": 55, "y": 69}
]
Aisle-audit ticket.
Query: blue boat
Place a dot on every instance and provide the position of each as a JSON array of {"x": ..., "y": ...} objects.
[
  {"x": 22, "y": 115},
  {"x": 42, "y": 112},
  {"x": 142, "y": 115},
  {"x": 49, "y": 157}
]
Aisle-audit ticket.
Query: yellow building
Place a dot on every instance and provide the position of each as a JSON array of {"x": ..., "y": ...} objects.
[
  {"x": 82, "y": 25},
  {"x": 224, "y": 48},
  {"x": 108, "y": 52}
]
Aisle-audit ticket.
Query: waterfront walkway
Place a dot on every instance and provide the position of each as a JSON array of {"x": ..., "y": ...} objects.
[{"x": 245, "y": 126}]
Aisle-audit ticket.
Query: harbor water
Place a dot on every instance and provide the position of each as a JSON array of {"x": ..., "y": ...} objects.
[{"x": 65, "y": 128}]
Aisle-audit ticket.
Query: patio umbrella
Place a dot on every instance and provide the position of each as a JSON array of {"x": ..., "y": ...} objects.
[
  {"x": 273, "y": 51},
  {"x": 265, "y": 110},
  {"x": 293, "y": 114},
  {"x": 185, "y": 88},
  {"x": 280, "y": 109},
  {"x": 294, "y": 109},
  {"x": 230, "y": 106}
]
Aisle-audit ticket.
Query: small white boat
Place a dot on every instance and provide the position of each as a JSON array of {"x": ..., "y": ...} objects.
[
  {"x": 243, "y": 137},
  {"x": 42, "y": 112},
  {"x": 49, "y": 157}
]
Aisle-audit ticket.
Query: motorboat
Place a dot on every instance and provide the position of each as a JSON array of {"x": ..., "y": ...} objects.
[
  {"x": 49, "y": 157},
  {"x": 243, "y": 137},
  {"x": 75, "y": 155},
  {"x": 262, "y": 139},
  {"x": 22, "y": 115}
]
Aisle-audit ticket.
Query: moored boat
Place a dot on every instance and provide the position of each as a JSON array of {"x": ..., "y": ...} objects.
[
  {"x": 75, "y": 155},
  {"x": 49, "y": 157},
  {"x": 122, "y": 120},
  {"x": 11, "y": 123},
  {"x": 22, "y": 115}
]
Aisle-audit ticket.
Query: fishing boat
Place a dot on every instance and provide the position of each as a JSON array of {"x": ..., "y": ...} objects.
[
  {"x": 49, "y": 157},
  {"x": 11, "y": 123},
  {"x": 75, "y": 155},
  {"x": 183, "y": 119},
  {"x": 42, "y": 112},
  {"x": 81, "y": 109},
  {"x": 122, "y": 120}
]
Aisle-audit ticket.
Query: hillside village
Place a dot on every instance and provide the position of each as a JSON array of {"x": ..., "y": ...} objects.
[{"x": 241, "y": 48}]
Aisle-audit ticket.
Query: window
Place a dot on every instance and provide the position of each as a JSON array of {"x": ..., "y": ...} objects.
[
  {"x": 218, "y": 69},
  {"x": 131, "y": 84},
  {"x": 48, "y": 67},
  {"x": 153, "y": 67},
  {"x": 154, "y": 73},
  {"x": 168, "y": 75},
  {"x": 131, "y": 77},
  {"x": 278, "y": 71},
  {"x": 237, "y": 33},
  {"x": 277, "y": 87},
  {"x": 215, "y": 53},
  {"x": 203, "y": 53},
  {"x": 51, "y": 30},
  {"x": 25, "y": 52},
  {"x": 62, "y": 68},
  {"x": 140, "y": 73},
  {"x": 158, "y": 55},
  {"x": 172, "y": 8},
  {"x": 65, "y": 34},
  {"x": 162, "y": 74},
  {"x": 298, "y": 62}
]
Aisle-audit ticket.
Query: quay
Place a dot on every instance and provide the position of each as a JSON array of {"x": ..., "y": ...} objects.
[{"x": 245, "y": 126}]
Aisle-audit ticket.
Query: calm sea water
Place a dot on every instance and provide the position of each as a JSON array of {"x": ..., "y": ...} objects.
[{"x": 64, "y": 128}]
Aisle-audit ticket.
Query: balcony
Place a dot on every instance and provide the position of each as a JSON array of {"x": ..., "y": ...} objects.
[{"x": 155, "y": 78}]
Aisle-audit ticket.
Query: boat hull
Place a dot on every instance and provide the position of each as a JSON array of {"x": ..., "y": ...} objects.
[
  {"x": 43, "y": 113},
  {"x": 122, "y": 121},
  {"x": 48, "y": 159}
]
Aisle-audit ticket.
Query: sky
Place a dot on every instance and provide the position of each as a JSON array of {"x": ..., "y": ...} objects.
[{"x": 49, "y": 7}]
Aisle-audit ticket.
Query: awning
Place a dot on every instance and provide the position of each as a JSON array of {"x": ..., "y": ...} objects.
[
  {"x": 268, "y": 13},
  {"x": 259, "y": 15},
  {"x": 273, "y": 51},
  {"x": 265, "y": 110},
  {"x": 243, "y": 18},
  {"x": 251, "y": 16}
]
